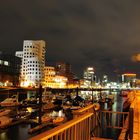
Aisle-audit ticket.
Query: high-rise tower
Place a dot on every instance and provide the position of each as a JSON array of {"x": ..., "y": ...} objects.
[
  {"x": 33, "y": 63},
  {"x": 89, "y": 76},
  {"x": 64, "y": 69}
]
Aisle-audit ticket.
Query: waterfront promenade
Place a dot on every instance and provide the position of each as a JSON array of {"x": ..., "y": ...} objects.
[
  {"x": 136, "y": 123},
  {"x": 134, "y": 98}
]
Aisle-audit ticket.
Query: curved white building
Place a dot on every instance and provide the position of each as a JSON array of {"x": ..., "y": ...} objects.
[{"x": 33, "y": 63}]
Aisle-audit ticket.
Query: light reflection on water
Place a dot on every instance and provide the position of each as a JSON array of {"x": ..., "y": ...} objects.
[{"x": 117, "y": 106}]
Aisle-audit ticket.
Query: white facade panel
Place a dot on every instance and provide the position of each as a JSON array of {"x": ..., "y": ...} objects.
[{"x": 33, "y": 62}]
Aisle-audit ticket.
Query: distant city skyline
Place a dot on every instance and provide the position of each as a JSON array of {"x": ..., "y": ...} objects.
[{"x": 102, "y": 34}]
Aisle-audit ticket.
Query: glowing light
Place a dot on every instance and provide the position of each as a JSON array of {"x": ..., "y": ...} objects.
[
  {"x": 60, "y": 81},
  {"x": 3, "y": 136},
  {"x": 29, "y": 109},
  {"x": 90, "y": 68},
  {"x": 27, "y": 83},
  {"x": 129, "y": 74},
  {"x": 136, "y": 57},
  {"x": 6, "y": 83}
]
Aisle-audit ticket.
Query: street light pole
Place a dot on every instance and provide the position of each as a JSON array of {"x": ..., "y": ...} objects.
[{"x": 40, "y": 103}]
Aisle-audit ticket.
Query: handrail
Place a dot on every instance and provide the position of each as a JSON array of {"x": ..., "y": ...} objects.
[
  {"x": 86, "y": 108},
  {"x": 107, "y": 120},
  {"x": 95, "y": 120},
  {"x": 57, "y": 131},
  {"x": 117, "y": 112},
  {"x": 81, "y": 111}
]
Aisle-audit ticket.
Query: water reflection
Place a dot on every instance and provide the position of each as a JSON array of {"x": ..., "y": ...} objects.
[{"x": 17, "y": 132}]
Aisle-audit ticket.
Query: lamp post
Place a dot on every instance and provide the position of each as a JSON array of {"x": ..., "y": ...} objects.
[
  {"x": 92, "y": 87},
  {"x": 40, "y": 103}
]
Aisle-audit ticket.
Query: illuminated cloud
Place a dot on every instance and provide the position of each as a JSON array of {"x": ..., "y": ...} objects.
[
  {"x": 102, "y": 33},
  {"x": 136, "y": 58}
]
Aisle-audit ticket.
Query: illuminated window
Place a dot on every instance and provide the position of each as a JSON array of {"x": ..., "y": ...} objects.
[
  {"x": 6, "y": 63},
  {"x": 0, "y": 62}
]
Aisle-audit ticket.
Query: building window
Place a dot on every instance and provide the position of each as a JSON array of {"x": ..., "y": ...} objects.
[
  {"x": 1, "y": 62},
  {"x": 6, "y": 63}
]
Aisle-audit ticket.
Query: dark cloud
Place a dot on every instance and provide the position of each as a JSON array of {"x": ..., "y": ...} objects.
[{"x": 100, "y": 33}]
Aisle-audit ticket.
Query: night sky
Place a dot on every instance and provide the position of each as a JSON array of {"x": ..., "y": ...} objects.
[{"x": 104, "y": 34}]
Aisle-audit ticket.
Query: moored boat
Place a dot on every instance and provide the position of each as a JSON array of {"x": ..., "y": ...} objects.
[
  {"x": 5, "y": 121},
  {"x": 46, "y": 118},
  {"x": 10, "y": 102},
  {"x": 4, "y": 112}
]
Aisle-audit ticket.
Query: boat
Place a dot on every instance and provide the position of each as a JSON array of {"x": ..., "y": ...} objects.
[
  {"x": 30, "y": 101},
  {"x": 54, "y": 116},
  {"x": 58, "y": 120},
  {"x": 5, "y": 121},
  {"x": 10, "y": 102},
  {"x": 48, "y": 106},
  {"x": 46, "y": 118},
  {"x": 57, "y": 116},
  {"x": 4, "y": 112}
]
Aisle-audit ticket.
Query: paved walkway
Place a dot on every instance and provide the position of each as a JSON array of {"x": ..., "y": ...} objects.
[
  {"x": 136, "y": 123},
  {"x": 134, "y": 98}
]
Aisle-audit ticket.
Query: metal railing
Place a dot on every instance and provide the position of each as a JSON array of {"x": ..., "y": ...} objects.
[
  {"x": 76, "y": 129},
  {"x": 79, "y": 112},
  {"x": 95, "y": 124},
  {"x": 86, "y": 123},
  {"x": 112, "y": 119}
]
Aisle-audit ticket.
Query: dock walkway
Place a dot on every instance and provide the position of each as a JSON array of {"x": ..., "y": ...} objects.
[
  {"x": 136, "y": 122},
  {"x": 134, "y": 98}
]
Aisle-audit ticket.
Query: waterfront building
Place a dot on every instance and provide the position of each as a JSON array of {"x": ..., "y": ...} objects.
[
  {"x": 89, "y": 76},
  {"x": 49, "y": 76},
  {"x": 33, "y": 62},
  {"x": 9, "y": 69},
  {"x": 137, "y": 82},
  {"x": 64, "y": 69},
  {"x": 105, "y": 80},
  {"x": 60, "y": 81},
  {"x": 19, "y": 54},
  {"x": 129, "y": 79}
]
